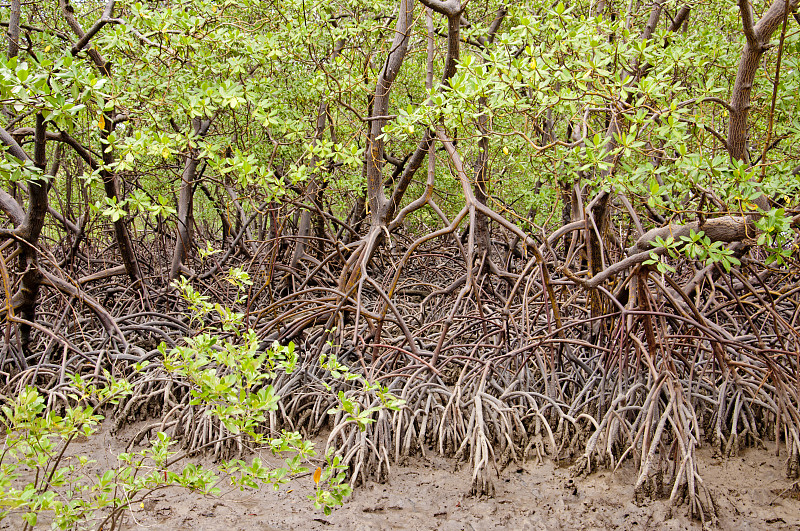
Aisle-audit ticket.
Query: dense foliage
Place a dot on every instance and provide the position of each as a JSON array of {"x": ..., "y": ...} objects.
[{"x": 565, "y": 228}]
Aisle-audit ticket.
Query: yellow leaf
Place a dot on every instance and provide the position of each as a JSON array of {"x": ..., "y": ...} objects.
[
  {"x": 317, "y": 475},
  {"x": 101, "y": 123},
  {"x": 505, "y": 150},
  {"x": 46, "y": 49}
]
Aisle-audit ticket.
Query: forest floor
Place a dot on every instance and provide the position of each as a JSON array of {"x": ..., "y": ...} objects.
[{"x": 750, "y": 491}]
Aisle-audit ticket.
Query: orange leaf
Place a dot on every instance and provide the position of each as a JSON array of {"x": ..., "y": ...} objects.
[
  {"x": 101, "y": 123},
  {"x": 317, "y": 475}
]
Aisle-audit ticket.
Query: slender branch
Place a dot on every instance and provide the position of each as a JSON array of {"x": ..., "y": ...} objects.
[
  {"x": 61, "y": 35},
  {"x": 64, "y": 137},
  {"x": 448, "y": 8},
  {"x": 13, "y": 146},
  {"x": 108, "y": 12},
  {"x": 12, "y": 209},
  {"x": 775, "y": 90},
  {"x": 710, "y": 99},
  {"x": 680, "y": 18},
  {"x": 747, "y": 22}
]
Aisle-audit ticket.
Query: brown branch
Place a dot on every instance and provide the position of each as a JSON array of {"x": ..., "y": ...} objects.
[
  {"x": 8, "y": 204},
  {"x": 13, "y": 28},
  {"x": 680, "y": 18},
  {"x": 747, "y": 22},
  {"x": 102, "y": 314},
  {"x": 105, "y": 273},
  {"x": 373, "y": 154},
  {"x": 412, "y": 165},
  {"x": 26, "y": 27},
  {"x": 108, "y": 12},
  {"x": 448, "y": 8},
  {"x": 758, "y": 37},
  {"x": 13, "y": 146},
  {"x": 11, "y": 208},
  {"x": 723, "y": 229}
]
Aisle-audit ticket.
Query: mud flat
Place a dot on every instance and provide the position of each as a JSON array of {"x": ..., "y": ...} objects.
[{"x": 750, "y": 492}]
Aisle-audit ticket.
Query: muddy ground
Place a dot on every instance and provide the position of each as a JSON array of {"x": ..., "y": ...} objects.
[
  {"x": 430, "y": 494},
  {"x": 750, "y": 491}
]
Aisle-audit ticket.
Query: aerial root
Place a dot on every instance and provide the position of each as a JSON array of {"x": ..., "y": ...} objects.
[
  {"x": 793, "y": 450},
  {"x": 689, "y": 488},
  {"x": 364, "y": 449},
  {"x": 482, "y": 452},
  {"x": 678, "y": 419}
]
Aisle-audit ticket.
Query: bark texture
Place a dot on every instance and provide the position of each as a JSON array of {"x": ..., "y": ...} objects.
[{"x": 757, "y": 42}]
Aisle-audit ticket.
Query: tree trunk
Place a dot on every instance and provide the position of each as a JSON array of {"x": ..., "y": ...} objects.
[
  {"x": 110, "y": 179},
  {"x": 757, "y": 42},
  {"x": 374, "y": 153},
  {"x": 482, "y": 173},
  {"x": 13, "y": 28},
  {"x": 26, "y": 299},
  {"x": 184, "y": 232}
]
